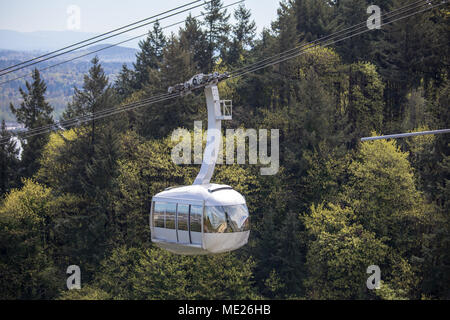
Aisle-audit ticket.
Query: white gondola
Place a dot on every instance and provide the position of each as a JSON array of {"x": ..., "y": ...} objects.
[{"x": 202, "y": 218}]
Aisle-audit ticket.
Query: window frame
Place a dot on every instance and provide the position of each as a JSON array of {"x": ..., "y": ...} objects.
[{"x": 177, "y": 202}]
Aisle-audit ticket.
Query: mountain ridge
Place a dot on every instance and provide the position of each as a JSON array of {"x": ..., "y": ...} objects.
[{"x": 49, "y": 40}]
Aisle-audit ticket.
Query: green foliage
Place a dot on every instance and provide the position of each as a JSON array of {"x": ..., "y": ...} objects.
[
  {"x": 85, "y": 293},
  {"x": 383, "y": 193},
  {"x": 313, "y": 18},
  {"x": 243, "y": 36},
  {"x": 28, "y": 271},
  {"x": 339, "y": 253},
  {"x": 335, "y": 207},
  {"x": 132, "y": 273},
  {"x": 365, "y": 106}
]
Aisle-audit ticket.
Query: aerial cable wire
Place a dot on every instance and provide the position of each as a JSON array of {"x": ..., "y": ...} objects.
[
  {"x": 98, "y": 36},
  {"x": 171, "y": 96},
  {"x": 295, "y": 54},
  {"x": 90, "y": 117},
  {"x": 115, "y": 110},
  {"x": 341, "y": 32},
  {"x": 55, "y": 126},
  {"x": 99, "y": 40},
  {"x": 348, "y": 29},
  {"x": 109, "y": 46},
  {"x": 406, "y": 135}
]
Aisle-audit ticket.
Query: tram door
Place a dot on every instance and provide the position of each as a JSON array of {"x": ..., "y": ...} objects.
[{"x": 189, "y": 224}]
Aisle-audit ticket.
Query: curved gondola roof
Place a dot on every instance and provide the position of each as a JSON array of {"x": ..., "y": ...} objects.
[{"x": 210, "y": 194}]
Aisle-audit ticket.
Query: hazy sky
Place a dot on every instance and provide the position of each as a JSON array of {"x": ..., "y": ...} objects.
[{"x": 104, "y": 15}]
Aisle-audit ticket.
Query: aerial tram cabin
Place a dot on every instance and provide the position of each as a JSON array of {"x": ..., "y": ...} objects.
[
  {"x": 200, "y": 219},
  {"x": 203, "y": 218}
]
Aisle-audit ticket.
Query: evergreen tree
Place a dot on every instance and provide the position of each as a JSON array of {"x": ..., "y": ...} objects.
[
  {"x": 94, "y": 151},
  {"x": 34, "y": 112},
  {"x": 8, "y": 160},
  {"x": 150, "y": 55},
  {"x": 177, "y": 66},
  {"x": 243, "y": 35},
  {"x": 409, "y": 53},
  {"x": 313, "y": 18},
  {"x": 85, "y": 167},
  {"x": 124, "y": 83},
  {"x": 194, "y": 40},
  {"x": 365, "y": 101},
  {"x": 349, "y": 13},
  {"x": 287, "y": 38},
  {"x": 94, "y": 96},
  {"x": 217, "y": 29}
]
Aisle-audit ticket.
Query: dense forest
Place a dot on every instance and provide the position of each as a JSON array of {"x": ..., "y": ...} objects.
[{"x": 336, "y": 206}]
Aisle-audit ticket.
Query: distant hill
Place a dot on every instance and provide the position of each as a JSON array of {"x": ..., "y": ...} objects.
[
  {"x": 61, "y": 79},
  {"x": 48, "y": 40},
  {"x": 113, "y": 54}
]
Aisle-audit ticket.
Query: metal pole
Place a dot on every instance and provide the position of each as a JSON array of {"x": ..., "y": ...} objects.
[{"x": 405, "y": 135}]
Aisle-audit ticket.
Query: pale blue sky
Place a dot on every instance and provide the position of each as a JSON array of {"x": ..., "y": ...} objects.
[{"x": 103, "y": 15}]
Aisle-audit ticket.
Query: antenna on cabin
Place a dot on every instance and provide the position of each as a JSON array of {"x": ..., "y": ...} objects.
[{"x": 405, "y": 135}]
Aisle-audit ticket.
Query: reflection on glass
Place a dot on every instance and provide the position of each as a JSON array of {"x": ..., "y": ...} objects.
[
  {"x": 226, "y": 219},
  {"x": 171, "y": 209},
  {"x": 183, "y": 212},
  {"x": 215, "y": 220},
  {"x": 238, "y": 217},
  {"x": 218, "y": 219},
  {"x": 158, "y": 214},
  {"x": 196, "y": 218}
]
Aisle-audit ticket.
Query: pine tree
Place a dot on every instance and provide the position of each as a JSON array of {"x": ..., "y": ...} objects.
[
  {"x": 194, "y": 40},
  {"x": 34, "y": 112},
  {"x": 410, "y": 53},
  {"x": 177, "y": 66},
  {"x": 88, "y": 167},
  {"x": 8, "y": 160},
  {"x": 95, "y": 147},
  {"x": 347, "y": 14},
  {"x": 124, "y": 83},
  {"x": 94, "y": 96},
  {"x": 243, "y": 35},
  {"x": 313, "y": 18},
  {"x": 150, "y": 55},
  {"x": 288, "y": 37},
  {"x": 217, "y": 29}
]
